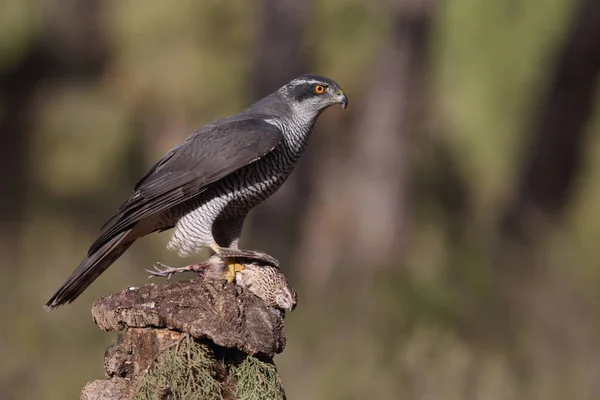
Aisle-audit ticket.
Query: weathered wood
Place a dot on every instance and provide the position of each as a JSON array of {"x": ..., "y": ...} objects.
[{"x": 229, "y": 328}]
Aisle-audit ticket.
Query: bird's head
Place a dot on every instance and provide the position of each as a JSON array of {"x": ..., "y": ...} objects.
[
  {"x": 315, "y": 93},
  {"x": 286, "y": 299}
]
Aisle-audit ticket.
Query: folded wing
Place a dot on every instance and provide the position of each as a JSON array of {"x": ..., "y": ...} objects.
[{"x": 204, "y": 158}]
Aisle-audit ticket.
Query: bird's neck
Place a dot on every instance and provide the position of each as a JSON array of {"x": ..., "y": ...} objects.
[
  {"x": 302, "y": 119},
  {"x": 295, "y": 120},
  {"x": 297, "y": 128}
]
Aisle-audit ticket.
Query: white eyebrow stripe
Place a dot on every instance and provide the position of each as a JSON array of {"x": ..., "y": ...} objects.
[{"x": 301, "y": 81}]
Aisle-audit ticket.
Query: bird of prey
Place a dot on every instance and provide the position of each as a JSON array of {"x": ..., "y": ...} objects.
[
  {"x": 205, "y": 187},
  {"x": 262, "y": 278}
]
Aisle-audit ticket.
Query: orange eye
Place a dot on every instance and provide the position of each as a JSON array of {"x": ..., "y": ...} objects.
[{"x": 319, "y": 89}]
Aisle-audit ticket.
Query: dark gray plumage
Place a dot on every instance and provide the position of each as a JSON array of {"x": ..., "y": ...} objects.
[{"x": 205, "y": 187}]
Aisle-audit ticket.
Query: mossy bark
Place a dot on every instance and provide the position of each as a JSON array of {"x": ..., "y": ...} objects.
[{"x": 189, "y": 340}]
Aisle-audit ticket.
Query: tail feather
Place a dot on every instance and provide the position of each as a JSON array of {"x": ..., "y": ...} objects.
[{"x": 90, "y": 269}]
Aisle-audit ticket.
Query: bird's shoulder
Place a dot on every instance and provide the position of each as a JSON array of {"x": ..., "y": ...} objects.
[
  {"x": 223, "y": 135},
  {"x": 216, "y": 149}
]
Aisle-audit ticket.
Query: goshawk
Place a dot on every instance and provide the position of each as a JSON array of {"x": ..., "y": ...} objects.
[{"x": 205, "y": 187}]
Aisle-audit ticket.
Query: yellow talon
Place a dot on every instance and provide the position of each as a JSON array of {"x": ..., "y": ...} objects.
[
  {"x": 231, "y": 274},
  {"x": 232, "y": 266},
  {"x": 232, "y": 269}
]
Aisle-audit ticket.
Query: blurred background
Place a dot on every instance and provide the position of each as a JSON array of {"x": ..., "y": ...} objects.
[{"x": 442, "y": 233}]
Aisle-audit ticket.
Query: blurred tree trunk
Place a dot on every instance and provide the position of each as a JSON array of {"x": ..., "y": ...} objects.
[
  {"x": 16, "y": 87},
  {"x": 280, "y": 53},
  {"x": 72, "y": 46},
  {"x": 280, "y": 57},
  {"x": 528, "y": 284},
  {"x": 555, "y": 153},
  {"x": 360, "y": 214}
]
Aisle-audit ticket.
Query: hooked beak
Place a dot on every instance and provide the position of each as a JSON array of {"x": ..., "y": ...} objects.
[{"x": 341, "y": 98}]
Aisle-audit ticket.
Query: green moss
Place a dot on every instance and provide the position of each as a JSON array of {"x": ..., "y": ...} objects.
[
  {"x": 256, "y": 380},
  {"x": 185, "y": 371},
  {"x": 196, "y": 370}
]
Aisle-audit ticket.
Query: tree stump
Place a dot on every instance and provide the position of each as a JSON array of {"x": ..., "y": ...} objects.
[{"x": 197, "y": 339}]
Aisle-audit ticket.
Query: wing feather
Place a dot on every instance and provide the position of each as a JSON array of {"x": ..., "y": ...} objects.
[{"x": 187, "y": 170}]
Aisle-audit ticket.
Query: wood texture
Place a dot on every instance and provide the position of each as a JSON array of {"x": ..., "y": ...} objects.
[{"x": 230, "y": 322}]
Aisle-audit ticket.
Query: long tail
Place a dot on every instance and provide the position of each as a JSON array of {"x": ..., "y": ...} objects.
[{"x": 90, "y": 269}]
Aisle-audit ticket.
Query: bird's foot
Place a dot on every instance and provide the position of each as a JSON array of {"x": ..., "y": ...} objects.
[
  {"x": 232, "y": 268},
  {"x": 166, "y": 271}
]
